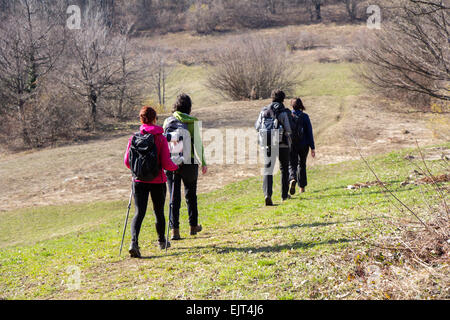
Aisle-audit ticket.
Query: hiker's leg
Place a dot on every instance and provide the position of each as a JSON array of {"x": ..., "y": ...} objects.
[
  {"x": 284, "y": 167},
  {"x": 141, "y": 194},
  {"x": 268, "y": 186},
  {"x": 293, "y": 165},
  {"x": 158, "y": 192},
  {"x": 303, "y": 157},
  {"x": 190, "y": 179},
  {"x": 175, "y": 178},
  {"x": 268, "y": 173}
]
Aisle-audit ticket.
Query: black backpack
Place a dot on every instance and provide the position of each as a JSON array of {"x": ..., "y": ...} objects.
[
  {"x": 144, "y": 161},
  {"x": 298, "y": 130}
]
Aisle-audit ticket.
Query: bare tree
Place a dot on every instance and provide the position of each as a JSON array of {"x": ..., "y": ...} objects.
[
  {"x": 352, "y": 8},
  {"x": 95, "y": 66},
  {"x": 31, "y": 42},
  {"x": 411, "y": 54},
  {"x": 315, "y": 9},
  {"x": 159, "y": 71},
  {"x": 250, "y": 68},
  {"x": 204, "y": 17},
  {"x": 128, "y": 91}
]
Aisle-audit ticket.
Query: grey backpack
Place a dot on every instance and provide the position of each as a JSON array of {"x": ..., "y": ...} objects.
[{"x": 268, "y": 126}]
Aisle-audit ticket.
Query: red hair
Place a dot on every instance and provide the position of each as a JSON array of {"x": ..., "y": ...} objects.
[{"x": 147, "y": 115}]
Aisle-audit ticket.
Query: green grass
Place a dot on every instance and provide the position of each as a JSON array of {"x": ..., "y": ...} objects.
[
  {"x": 301, "y": 249},
  {"x": 322, "y": 79},
  {"x": 329, "y": 79},
  {"x": 196, "y": 86}
]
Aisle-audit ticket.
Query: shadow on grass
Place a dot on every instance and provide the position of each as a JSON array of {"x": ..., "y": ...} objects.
[
  {"x": 312, "y": 225},
  {"x": 344, "y": 187},
  {"x": 272, "y": 249},
  {"x": 249, "y": 249},
  {"x": 169, "y": 253},
  {"x": 352, "y": 193}
]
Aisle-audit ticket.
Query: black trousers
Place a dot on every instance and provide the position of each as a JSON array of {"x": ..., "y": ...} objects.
[
  {"x": 297, "y": 169},
  {"x": 188, "y": 174},
  {"x": 142, "y": 191},
  {"x": 284, "y": 157}
]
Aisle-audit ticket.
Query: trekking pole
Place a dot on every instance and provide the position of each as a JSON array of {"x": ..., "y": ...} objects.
[
  {"x": 126, "y": 221},
  {"x": 170, "y": 211}
]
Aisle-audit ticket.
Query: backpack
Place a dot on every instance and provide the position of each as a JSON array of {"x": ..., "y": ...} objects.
[
  {"x": 269, "y": 123},
  {"x": 176, "y": 132},
  {"x": 298, "y": 130},
  {"x": 144, "y": 160}
]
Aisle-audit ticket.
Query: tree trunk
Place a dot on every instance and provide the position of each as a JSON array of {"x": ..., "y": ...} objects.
[
  {"x": 319, "y": 12},
  {"x": 25, "y": 134},
  {"x": 93, "y": 105}
]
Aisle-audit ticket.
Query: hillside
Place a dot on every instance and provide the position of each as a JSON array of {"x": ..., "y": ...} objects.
[
  {"x": 373, "y": 223},
  {"x": 313, "y": 247},
  {"x": 337, "y": 104},
  {"x": 62, "y": 208}
]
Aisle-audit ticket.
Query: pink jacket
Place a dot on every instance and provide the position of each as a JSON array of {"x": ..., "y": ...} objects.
[{"x": 163, "y": 153}]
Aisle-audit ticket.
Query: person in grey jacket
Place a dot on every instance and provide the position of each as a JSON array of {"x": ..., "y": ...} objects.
[{"x": 284, "y": 117}]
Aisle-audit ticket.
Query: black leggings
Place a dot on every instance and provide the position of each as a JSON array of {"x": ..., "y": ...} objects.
[
  {"x": 188, "y": 174},
  {"x": 283, "y": 156},
  {"x": 297, "y": 168},
  {"x": 141, "y": 194}
]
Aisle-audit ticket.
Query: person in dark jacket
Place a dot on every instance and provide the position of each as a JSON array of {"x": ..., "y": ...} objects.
[
  {"x": 300, "y": 147},
  {"x": 283, "y": 115}
]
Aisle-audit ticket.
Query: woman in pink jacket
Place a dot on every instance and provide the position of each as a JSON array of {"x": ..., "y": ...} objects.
[{"x": 156, "y": 188}]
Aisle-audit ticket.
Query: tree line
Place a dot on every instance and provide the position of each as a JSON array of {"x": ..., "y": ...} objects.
[
  {"x": 55, "y": 81},
  {"x": 206, "y": 16}
]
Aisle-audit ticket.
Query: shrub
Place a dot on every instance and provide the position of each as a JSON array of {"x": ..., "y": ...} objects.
[
  {"x": 204, "y": 18},
  {"x": 250, "y": 68},
  {"x": 408, "y": 58}
]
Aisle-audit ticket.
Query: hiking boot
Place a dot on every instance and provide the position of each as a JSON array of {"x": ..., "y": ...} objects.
[
  {"x": 163, "y": 246},
  {"x": 292, "y": 187},
  {"x": 195, "y": 230},
  {"x": 269, "y": 202},
  {"x": 135, "y": 251},
  {"x": 176, "y": 235}
]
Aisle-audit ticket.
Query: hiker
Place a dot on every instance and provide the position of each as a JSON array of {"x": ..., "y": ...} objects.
[
  {"x": 189, "y": 170},
  {"x": 303, "y": 141},
  {"x": 275, "y": 117},
  {"x": 150, "y": 138}
]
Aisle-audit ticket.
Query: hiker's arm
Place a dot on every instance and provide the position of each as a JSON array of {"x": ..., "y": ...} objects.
[
  {"x": 199, "y": 150},
  {"x": 286, "y": 121},
  {"x": 204, "y": 164},
  {"x": 310, "y": 133},
  {"x": 127, "y": 155},
  {"x": 258, "y": 123}
]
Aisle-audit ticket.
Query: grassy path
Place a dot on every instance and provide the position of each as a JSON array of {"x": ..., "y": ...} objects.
[{"x": 303, "y": 249}]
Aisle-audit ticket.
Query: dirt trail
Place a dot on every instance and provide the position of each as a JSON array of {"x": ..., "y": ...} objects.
[{"x": 95, "y": 171}]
